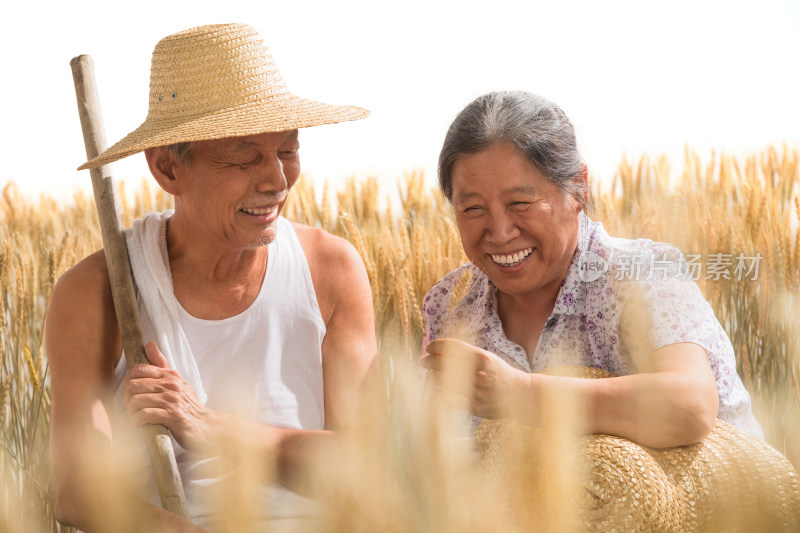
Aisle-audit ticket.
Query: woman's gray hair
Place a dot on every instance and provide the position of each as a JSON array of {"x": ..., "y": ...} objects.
[{"x": 535, "y": 125}]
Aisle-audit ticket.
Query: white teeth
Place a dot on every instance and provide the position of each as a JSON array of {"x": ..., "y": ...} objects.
[
  {"x": 510, "y": 260},
  {"x": 260, "y": 211}
]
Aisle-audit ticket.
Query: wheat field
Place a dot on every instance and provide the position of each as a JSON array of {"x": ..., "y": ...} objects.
[{"x": 738, "y": 215}]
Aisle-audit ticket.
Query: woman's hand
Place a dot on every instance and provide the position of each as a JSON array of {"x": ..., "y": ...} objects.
[
  {"x": 463, "y": 373},
  {"x": 157, "y": 394}
]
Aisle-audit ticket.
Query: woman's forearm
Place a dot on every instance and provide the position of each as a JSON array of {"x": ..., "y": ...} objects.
[{"x": 658, "y": 409}]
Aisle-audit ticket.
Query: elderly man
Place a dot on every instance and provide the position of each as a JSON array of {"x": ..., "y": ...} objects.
[{"x": 261, "y": 326}]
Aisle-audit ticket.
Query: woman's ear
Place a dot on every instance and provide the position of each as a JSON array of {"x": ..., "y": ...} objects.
[
  {"x": 162, "y": 165},
  {"x": 584, "y": 177}
]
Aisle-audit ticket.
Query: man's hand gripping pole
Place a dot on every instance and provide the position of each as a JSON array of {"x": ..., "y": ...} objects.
[{"x": 159, "y": 443}]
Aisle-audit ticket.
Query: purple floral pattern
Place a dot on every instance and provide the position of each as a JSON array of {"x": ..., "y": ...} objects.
[{"x": 603, "y": 322}]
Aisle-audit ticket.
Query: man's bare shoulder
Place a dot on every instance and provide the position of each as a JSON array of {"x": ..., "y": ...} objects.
[
  {"x": 82, "y": 296},
  {"x": 81, "y": 325},
  {"x": 337, "y": 269},
  {"x": 327, "y": 249},
  {"x": 89, "y": 274}
]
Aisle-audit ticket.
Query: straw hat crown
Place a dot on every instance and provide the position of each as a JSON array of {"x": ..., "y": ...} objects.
[{"x": 218, "y": 81}]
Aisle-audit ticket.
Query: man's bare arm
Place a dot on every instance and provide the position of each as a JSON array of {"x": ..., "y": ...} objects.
[
  {"x": 83, "y": 348},
  {"x": 349, "y": 349}
]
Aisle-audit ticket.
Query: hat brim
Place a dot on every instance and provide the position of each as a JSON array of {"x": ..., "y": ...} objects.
[{"x": 290, "y": 113}]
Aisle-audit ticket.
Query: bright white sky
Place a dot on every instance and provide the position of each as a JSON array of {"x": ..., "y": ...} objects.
[{"x": 633, "y": 76}]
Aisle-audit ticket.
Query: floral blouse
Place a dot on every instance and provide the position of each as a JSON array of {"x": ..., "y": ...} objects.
[{"x": 619, "y": 297}]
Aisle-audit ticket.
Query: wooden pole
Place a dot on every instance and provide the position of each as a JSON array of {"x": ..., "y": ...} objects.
[{"x": 159, "y": 443}]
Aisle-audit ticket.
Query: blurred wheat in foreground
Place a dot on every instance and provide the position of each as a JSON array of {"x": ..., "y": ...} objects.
[{"x": 400, "y": 471}]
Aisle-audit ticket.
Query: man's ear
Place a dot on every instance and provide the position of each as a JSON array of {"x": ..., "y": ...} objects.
[{"x": 162, "y": 165}]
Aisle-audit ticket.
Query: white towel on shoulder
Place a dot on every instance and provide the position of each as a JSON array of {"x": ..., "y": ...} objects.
[{"x": 147, "y": 249}]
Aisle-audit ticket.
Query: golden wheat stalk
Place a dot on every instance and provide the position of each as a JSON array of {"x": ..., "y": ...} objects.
[
  {"x": 727, "y": 206},
  {"x": 460, "y": 291}
]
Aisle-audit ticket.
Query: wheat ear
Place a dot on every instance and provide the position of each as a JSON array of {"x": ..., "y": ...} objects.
[{"x": 460, "y": 290}]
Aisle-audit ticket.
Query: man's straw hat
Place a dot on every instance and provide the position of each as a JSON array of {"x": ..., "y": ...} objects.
[{"x": 218, "y": 81}]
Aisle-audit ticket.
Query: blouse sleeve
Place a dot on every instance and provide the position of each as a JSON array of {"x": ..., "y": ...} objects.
[
  {"x": 671, "y": 309},
  {"x": 665, "y": 306},
  {"x": 436, "y": 307},
  {"x": 429, "y": 317}
]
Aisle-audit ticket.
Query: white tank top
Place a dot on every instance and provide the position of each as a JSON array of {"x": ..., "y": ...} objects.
[{"x": 264, "y": 364}]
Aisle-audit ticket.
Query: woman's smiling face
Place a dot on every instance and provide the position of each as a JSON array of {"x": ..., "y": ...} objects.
[{"x": 515, "y": 224}]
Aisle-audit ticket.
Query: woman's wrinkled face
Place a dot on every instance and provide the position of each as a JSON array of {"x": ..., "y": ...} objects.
[{"x": 515, "y": 224}]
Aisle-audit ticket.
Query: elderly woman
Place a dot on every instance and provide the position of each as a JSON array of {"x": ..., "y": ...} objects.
[{"x": 546, "y": 286}]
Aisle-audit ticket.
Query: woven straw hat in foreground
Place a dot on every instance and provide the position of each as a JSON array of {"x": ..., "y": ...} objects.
[
  {"x": 731, "y": 481},
  {"x": 218, "y": 81}
]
